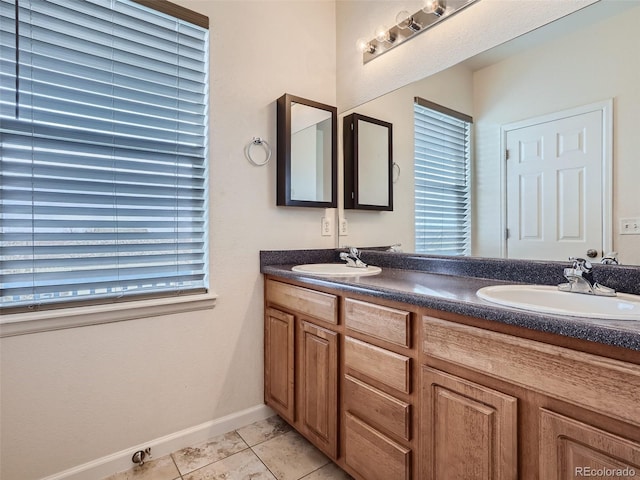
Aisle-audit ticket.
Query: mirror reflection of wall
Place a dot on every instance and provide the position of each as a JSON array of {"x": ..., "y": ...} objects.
[
  {"x": 310, "y": 153},
  {"x": 373, "y": 174},
  {"x": 585, "y": 58}
]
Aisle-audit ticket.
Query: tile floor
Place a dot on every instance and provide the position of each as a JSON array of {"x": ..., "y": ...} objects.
[{"x": 265, "y": 450}]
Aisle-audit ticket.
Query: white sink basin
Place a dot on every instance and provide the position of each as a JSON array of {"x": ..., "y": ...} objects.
[
  {"x": 335, "y": 269},
  {"x": 548, "y": 299}
]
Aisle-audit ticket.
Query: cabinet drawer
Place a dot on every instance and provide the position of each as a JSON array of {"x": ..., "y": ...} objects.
[
  {"x": 373, "y": 455},
  {"x": 377, "y": 407},
  {"x": 319, "y": 305},
  {"x": 387, "y": 367},
  {"x": 377, "y": 321}
]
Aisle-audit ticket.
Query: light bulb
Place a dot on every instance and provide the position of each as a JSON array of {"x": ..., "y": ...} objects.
[
  {"x": 383, "y": 34},
  {"x": 403, "y": 19},
  {"x": 365, "y": 46},
  {"x": 428, "y": 6},
  {"x": 435, "y": 7}
]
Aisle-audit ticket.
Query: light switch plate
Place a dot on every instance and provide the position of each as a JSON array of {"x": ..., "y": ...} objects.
[
  {"x": 326, "y": 228},
  {"x": 343, "y": 230},
  {"x": 630, "y": 226}
]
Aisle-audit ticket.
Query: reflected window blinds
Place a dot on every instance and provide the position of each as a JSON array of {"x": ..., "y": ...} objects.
[{"x": 442, "y": 180}]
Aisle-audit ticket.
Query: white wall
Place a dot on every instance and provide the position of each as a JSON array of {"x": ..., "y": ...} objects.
[
  {"x": 72, "y": 396},
  {"x": 479, "y": 27},
  {"x": 594, "y": 64}
]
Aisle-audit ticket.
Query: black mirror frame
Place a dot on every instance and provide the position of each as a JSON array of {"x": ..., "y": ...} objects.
[
  {"x": 350, "y": 147},
  {"x": 283, "y": 183}
]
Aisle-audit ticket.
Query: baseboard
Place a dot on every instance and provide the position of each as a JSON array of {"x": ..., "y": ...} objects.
[{"x": 120, "y": 461}]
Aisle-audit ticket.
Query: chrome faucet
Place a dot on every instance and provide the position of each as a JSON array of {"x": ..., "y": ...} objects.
[
  {"x": 580, "y": 280},
  {"x": 610, "y": 258},
  {"x": 396, "y": 247},
  {"x": 353, "y": 258}
]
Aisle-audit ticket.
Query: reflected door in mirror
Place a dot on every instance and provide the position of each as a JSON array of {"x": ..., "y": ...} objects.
[
  {"x": 368, "y": 163},
  {"x": 555, "y": 185}
]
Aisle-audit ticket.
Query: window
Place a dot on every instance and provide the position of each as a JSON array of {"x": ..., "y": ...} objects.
[
  {"x": 103, "y": 143},
  {"x": 441, "y": 163}
]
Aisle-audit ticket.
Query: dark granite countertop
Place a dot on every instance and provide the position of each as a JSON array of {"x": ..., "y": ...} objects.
[{"x": 452, "y": 293}]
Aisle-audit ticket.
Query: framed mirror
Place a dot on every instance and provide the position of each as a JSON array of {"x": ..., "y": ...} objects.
[
  {"x": 307, "y": 153},
  {"x": 510, "y": 84},
  {"x": 368, "y": 163}
]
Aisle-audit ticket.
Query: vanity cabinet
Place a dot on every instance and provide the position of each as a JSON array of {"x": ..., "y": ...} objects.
[
  {"x": 278, "y": 362},
  {"x": 395, "y": 391},
  {"x": 318, "y": 386},
  {"x": 469, "y": 431},
  {"x": 570, "y": 449},
  {"x": 485, "y": 392},
  {"x": 301, "y": 361}
]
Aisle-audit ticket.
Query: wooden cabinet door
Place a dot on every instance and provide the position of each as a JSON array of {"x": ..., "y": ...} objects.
[
  {"x": 570, "y": 450},
  {"x": 469, "y": 432},
  {"x": 318, "y": 386},
  {"x": 278, "y": 362}
]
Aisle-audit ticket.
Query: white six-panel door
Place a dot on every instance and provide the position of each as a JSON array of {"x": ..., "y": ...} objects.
[{"x": 555, "y": 188}]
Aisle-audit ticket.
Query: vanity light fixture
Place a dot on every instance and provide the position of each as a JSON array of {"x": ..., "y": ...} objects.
[
  {"x": 383, "y": 34},
  {"x": 408, "y": 26},
  {"x": 405, "y": 20},
  {"x": 365, "y": 47}
]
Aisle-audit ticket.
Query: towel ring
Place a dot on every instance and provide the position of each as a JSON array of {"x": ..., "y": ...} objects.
[
  {"x": 259, "y": 142},
  {"x": 396, "y": 167}
]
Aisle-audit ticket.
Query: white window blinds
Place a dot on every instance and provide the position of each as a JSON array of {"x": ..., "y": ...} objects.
[
  {"x": 103, "y": 111},
  {"x": 442, "y": 157}
]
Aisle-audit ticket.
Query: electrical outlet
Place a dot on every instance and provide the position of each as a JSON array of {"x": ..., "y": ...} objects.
[
  {"x": 344, "y": 227},
  {"x": 630, "y": 226},
  {"x": 326, "y": 227}
]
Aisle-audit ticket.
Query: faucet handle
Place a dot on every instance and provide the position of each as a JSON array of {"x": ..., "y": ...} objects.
[
  {"x": 346, "y": 258},
  {"x": 354, "y": 251},
  {"x": 610, "y": 258},
  {"x": 581, "y": 264}
]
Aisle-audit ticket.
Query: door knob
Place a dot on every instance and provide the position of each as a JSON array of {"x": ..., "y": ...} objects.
[{"x": 592, "y": 253}]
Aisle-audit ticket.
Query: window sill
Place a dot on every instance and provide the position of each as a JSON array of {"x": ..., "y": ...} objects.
[{"x": 36, "y": 322}]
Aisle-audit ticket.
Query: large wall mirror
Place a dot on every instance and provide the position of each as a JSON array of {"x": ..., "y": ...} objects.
[
  {"x": 368, "y": 163},
  {"x": 587, "y": 58},
  {"x": 307, "y": 153}
]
